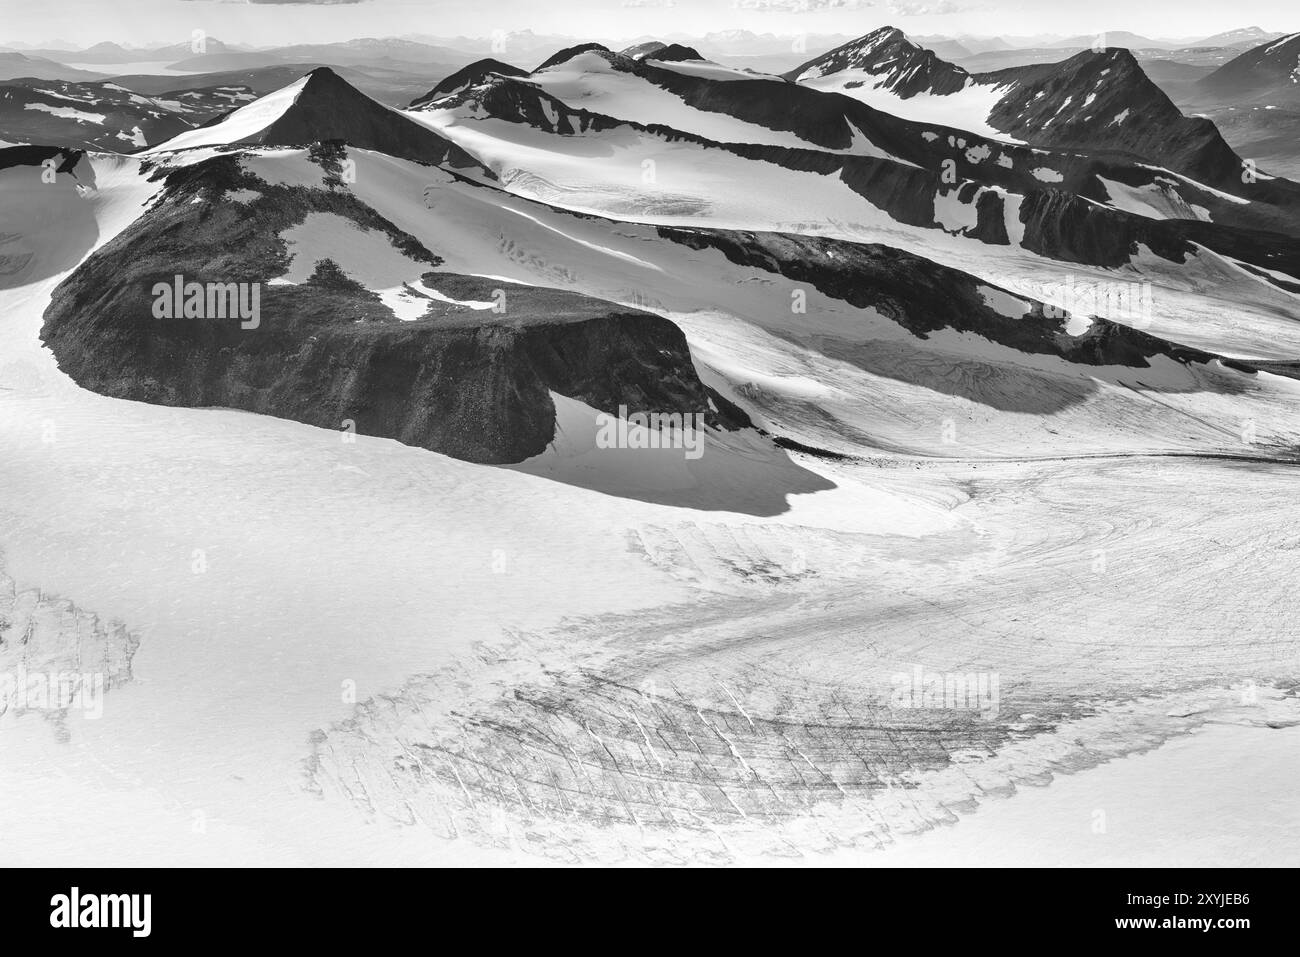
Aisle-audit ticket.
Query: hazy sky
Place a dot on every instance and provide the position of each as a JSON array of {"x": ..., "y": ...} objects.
[{"x": 141, "y": 22}]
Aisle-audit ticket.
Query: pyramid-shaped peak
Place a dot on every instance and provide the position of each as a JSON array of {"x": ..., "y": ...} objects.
[
  {"x": 324, "y": 76},
  {"x": 901, "y": 65},
  {"x": 324, "y": 81},
  {"x": 883, "y": 44},
  {"x": 1115, "y": 59},
  {"x": 880, "y": 37},
  {"x": 321, "y": 106}
]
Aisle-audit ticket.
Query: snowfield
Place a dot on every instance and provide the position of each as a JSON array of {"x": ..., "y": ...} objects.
[
  {"x": 636, "y": 177},
  {"x": 966, "y": 109},
  {"x": 67, "y": 112},
  {"x": 242, "y": 123},
  {"x": 345, "y": 650}
]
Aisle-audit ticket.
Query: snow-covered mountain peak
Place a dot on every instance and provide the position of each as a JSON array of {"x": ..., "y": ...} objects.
[
  {"x": 477, "y": 72},
  {"x": 317, "y": 107},
  {"x": 886, "y": 59}
]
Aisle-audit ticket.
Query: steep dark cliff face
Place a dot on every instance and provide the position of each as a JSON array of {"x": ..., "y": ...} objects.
[
  {"x": 479, "y": 392},
  {"x": 1065, "y": 220},
  {"x": 1104, "y": 101},
  {"x": 947, "y": 158},
  {"x": 470, "y": 383},
  {"x": 924, "y": 297},
  {"x": 67, "y": 159},
  {"x": 1101, "y": 104},
  {"x": 1066, "y": 227},
  {"x": 519, "y": 101},
  {"x": 329, "y": 108}
]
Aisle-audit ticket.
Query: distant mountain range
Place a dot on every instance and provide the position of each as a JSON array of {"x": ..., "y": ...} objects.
[
  {"x": 14, "y": 65},
  {"x": 452, "y": 52},
  {"x": 1093, "y": 100},
  {"x": 105, "y": 116},
  {"x": 419, "y": 219},
  {"x": 1245, "y": 37},
  {"x": 1272, "y": 68}
]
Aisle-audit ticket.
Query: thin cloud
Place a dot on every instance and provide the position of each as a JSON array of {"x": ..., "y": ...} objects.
[
  {"x": 941, "y": 8},
  {"x": 901, "y": 8},
  {"x": 298, "y": 3},
  {"x": 801, "y": 6}
]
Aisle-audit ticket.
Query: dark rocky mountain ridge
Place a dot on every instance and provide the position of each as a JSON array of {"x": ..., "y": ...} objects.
[{"x": 470, "y": 384}]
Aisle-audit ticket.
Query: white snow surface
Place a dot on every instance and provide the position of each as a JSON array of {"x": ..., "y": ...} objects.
[
  {"x": 632, "y": 177},
  {"x": 365, "y": 255},
  {"x": 243, "y": 123},
  {"x": 67, "y": 112},
  {"x": 761, "y": 588},
  {"x": 588, "y": 82},
  {"x": 710, "y": 70},
  {"x": 966, "y": 109},
  {"x": 1159, "y": 200}
]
